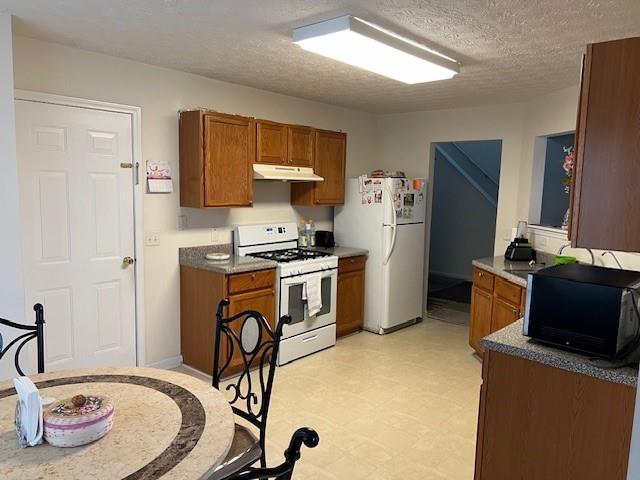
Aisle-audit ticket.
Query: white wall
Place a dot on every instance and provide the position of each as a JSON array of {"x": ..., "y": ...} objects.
[
  {"x": 12, "y": 300},
  {"x": 406, "y": 142},
  {"x": 11, "y": 273},
  {"x": 160, "y": 92}
]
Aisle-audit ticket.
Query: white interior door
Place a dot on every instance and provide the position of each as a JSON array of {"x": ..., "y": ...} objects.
[
  {"x": 78, "y": 225},
  {"x": 403, "y": 277}
]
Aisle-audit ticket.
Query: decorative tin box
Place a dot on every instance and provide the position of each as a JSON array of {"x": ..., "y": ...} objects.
[{"x": 77, "y": 421}]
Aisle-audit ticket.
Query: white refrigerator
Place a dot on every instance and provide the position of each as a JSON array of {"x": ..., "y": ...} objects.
[{"x": 387, "y": 217}]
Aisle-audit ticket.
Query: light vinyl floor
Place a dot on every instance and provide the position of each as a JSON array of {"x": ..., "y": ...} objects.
[{"x": 400, "y": 406}]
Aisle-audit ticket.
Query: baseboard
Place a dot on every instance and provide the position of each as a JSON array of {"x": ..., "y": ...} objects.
[
  {"x": 195, "y": 370},
  {"x": 457, "y": 276},
  {"x": 172, "y": 362}
]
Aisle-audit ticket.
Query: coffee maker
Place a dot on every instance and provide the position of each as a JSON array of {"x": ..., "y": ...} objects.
[{"x": 520, "y": 249}]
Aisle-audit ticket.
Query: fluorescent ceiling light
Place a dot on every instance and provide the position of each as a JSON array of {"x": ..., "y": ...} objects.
[{"x": 362, "y": 44}]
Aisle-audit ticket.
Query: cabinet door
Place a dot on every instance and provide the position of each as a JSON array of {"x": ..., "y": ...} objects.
[
  {"x": 300, "y": 146},
  {"x": 263, "y": 301},
  {"x": 504, "y": 313},
  {"x": 329, "y": 163},
  {"x": 480, "y": 317},
  {"x": 229, "y": 150},
  {"x": 350, "y": 302},
  {"x": 606, "y": 197},
  {"x": 271, "y": 142}
]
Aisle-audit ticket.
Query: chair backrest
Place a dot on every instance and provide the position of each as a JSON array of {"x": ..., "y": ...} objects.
[
  {"x": 33, "y": 331},
  {"x": 283, "y": 471},
  {"x": 249, "y": 335}
]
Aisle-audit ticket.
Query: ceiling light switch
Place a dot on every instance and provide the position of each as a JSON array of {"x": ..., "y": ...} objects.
[{"x": 152, "y": 239}]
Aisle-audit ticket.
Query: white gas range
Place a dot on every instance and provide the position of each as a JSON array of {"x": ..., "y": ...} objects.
[{"x": 305, "y": 334}]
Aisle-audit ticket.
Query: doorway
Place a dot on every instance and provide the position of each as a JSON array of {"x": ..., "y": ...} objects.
[
  {"x": 80, "y": 205},
  {"x": 463, "y": 222}
]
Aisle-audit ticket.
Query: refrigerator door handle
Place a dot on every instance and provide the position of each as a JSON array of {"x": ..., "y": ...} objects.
[
  {"x": 393, "y": 244},
  {"x": 394, "y": 225},
  {"x": 394, "y": 221}
]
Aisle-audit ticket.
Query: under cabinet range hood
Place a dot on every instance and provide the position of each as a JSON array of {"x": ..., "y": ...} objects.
[{"x": 279, "y": 172}]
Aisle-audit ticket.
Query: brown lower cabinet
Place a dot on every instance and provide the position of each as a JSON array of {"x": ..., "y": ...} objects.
[
  {"x": 495, "y": 303},
  {"x": 200, "y": 293},
  {"x": 541, "y": 422},
  {"x": 350, "y": 301}
]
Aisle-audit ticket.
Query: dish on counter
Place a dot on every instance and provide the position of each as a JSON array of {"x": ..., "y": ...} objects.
[{"x": 217, "y": 256}]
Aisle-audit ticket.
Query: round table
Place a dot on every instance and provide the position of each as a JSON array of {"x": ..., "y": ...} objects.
[{"x": 166, "y": 424}]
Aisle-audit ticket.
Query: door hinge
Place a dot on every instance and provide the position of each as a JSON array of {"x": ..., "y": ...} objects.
[{"x": 126, "y": 165}]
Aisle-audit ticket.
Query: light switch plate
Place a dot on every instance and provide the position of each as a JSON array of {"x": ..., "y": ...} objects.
[
  {"x": 182, "y": 222},
  {"x": 217, "y": 236},
  {"x": 152, "y": 239}
]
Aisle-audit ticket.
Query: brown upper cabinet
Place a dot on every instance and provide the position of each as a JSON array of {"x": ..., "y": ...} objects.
[
  {"x": 300, "y": 142},
  {"x": 280, "y": 144},
  {"x": 605, "y": 203},
  {"x": 329, "y": 162},
  {"x": 271, "y": 143},
  {"x": 217, "y": 152}
]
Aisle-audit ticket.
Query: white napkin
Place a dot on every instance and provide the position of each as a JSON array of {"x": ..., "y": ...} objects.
[
  {"x": 30, "y": 432},
  {"x": 313, "y": 293}
]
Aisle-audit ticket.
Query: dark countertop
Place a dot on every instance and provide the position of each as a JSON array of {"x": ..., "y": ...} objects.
[
  {"x": 515, "y": 272},
  {"x": 342, "y": 252},
  {"x": 194, "y": 257},
  {"x": 511, "y": 341}
]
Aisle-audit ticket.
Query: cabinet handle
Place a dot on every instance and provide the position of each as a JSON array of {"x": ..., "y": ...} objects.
[
  {"x": 253, "y": 277},
  {"x": 516, "y": 311},
  {"x": 480, "y": 274},
  {"x": 352, "y": 261}
]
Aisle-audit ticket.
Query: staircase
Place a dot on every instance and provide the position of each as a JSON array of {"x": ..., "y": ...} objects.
[{"x": 477, "y": 177}]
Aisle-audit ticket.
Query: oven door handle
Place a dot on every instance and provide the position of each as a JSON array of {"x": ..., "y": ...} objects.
[{"x": 299, "y": 279}]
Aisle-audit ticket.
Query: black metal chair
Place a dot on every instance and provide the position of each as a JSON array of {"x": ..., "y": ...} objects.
[
  {"x": 250, "y": 334},
  {"x": 291, "y": 455},
  {"x": 33, "y": 331}
]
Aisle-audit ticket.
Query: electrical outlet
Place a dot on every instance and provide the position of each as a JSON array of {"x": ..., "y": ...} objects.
[
  {"x": 182, "y": 222},
  {"x": 152, "y": 239},
  {"x": 220, "y": 236},
  {"x": 543, "y": 242}
]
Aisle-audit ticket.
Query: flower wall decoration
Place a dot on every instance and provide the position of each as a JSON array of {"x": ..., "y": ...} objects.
[{"x": 567, "y": 165}]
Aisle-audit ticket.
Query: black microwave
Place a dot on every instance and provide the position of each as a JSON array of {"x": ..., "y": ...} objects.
[{"x": 585, "y": 308}]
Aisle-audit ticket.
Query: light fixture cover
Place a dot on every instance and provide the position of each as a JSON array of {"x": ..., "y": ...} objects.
[{"x": 356, "y": 42}]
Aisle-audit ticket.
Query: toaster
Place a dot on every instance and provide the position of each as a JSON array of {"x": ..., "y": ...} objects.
[{"x": 324, "y": 238}]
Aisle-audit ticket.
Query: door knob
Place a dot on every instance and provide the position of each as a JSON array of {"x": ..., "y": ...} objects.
[{"x": 128, "y": 261}]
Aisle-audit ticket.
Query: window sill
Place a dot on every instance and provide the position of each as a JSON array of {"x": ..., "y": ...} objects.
[{"x": 550, "y": 232}]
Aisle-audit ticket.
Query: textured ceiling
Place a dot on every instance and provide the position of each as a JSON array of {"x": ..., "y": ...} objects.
[{"x": 510, "y": 50}]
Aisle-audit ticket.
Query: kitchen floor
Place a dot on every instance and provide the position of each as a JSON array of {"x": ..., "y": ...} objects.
[{"x": 403, "y": 406}]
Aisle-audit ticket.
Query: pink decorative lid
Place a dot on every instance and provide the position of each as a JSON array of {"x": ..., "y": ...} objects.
[{"x": 78, "y": 412}]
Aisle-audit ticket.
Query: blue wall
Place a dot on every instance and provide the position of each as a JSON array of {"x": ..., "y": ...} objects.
[
  {"x": 486, "y": 154},
  {"x": 555, "y": 201}
]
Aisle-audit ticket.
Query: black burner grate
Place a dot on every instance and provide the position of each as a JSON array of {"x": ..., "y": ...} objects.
[{"x": 290, "y": 255}]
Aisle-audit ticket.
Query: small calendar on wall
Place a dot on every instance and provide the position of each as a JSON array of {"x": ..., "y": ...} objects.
[{"x": 159, "y": 177}]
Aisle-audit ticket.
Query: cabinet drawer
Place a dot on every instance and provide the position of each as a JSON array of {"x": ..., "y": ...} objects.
[
  {"x": 351, "y": 264},
  {"x": 244, "y": 282},
  {"x": 483, "y": 279},
  {"x": 508, "y": 291}
]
